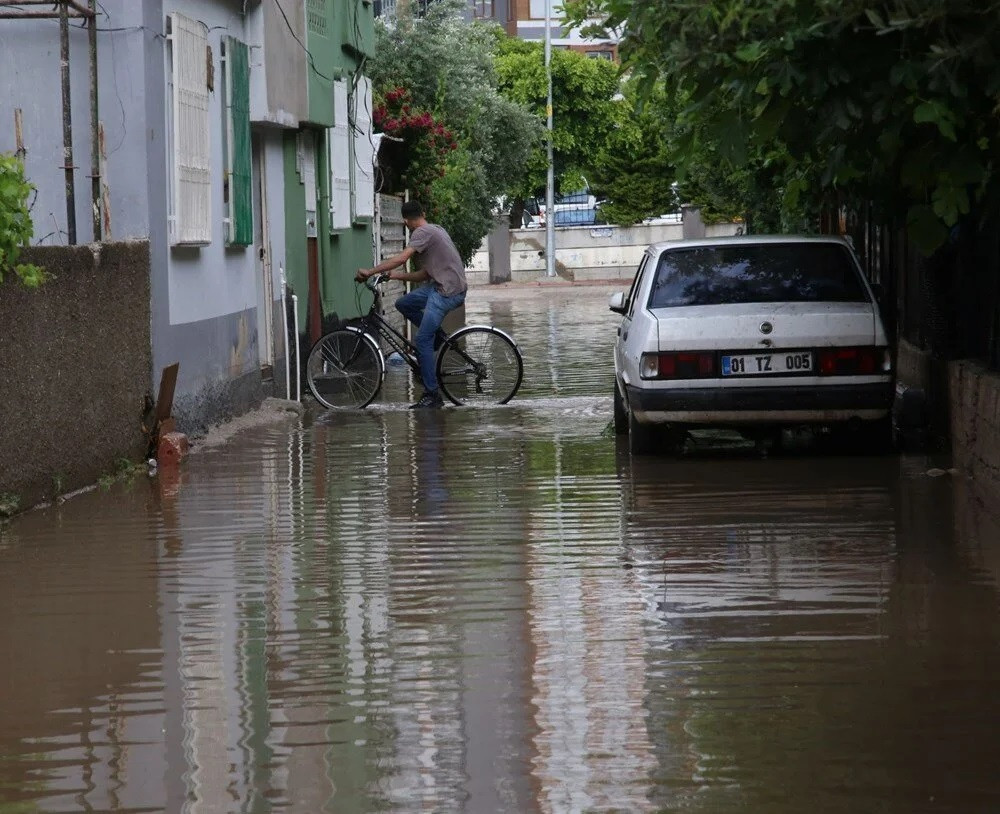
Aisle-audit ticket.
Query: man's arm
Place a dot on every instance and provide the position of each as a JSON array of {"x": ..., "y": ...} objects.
[{"x": 391, "y": 263}]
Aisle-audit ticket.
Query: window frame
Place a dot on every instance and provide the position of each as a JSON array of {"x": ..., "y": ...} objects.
[{"x": 190, "y": 153}]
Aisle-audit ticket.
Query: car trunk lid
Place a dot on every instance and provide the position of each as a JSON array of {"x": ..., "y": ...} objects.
[{"x": 764, "y": 325}]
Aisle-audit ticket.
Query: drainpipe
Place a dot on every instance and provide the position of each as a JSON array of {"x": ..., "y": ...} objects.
[
  {"x": 95, "y": 147},
  {"x": 284, "y": 321},
  {"x": 67, "y": 116},
  {"x": 298, "y": 364}
]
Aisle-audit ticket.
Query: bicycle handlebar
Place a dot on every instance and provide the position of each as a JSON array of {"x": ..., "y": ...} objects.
[{"x": 373, "y": 282}]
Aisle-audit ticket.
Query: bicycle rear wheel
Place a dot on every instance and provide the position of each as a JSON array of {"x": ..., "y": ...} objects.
[
  {"x": 345, "y": 369},
  {"x": 479, "y": 365}
]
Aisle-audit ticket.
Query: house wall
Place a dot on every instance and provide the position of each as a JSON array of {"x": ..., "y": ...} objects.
[
  {"x": 339, "y": 42},
  {"x": 30, "y": 81},
  {"x": 282, "y": 97}
]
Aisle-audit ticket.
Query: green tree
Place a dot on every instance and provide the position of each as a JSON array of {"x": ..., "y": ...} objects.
[
  {"x": 836, "y": 100},
  {"x": 585, "y": 110},
  {"x": 16, "y": 227},
  {"x": 635, "y": 167},
  {"x": 447, "y": 67}
]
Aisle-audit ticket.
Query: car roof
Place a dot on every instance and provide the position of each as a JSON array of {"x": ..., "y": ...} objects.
[{"x": 745, "y": 240}]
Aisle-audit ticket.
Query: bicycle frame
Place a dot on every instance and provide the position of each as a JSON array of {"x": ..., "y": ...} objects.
[{"x": 374, "y": 324}]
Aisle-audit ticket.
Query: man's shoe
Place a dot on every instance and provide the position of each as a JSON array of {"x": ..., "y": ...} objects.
[{"x": 428, "y": 399}]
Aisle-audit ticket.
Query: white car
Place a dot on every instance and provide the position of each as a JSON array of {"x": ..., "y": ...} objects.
[{"x": 753, "y": 334}]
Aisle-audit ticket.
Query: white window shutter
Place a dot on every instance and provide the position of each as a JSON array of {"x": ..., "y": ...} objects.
[
  {"x": 192, "y": 150},
  {"x": 364, "y": 151},
  {"x": 339, "y": 143}
]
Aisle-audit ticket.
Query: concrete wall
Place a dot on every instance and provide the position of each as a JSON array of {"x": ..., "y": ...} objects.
[
  {"x": 584, "y": 252},
  {"x": 974, "y": 395},
  {"x": 281, "y": 97},
  {"x": 75, "y": 357}
]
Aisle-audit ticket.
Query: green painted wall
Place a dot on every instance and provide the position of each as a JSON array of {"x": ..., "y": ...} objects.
[
  {"x": 342, "y": 253},
  {"x": 340, "y": 34},
  {"x": 322, "y": 34}
]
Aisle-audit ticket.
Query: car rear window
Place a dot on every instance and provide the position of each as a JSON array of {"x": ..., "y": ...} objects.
[{"x": 772, "y": 272}]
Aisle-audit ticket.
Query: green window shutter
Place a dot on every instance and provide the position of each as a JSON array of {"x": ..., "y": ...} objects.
[{"x": 240, "y": 232}]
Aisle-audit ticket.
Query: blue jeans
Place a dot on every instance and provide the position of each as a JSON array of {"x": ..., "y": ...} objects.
[{"x": 426, "y": 309}]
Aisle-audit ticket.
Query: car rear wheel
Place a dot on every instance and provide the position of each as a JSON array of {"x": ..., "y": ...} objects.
[
  {"x": 621, "y": 414},
  {"x": 641, "y": 438}
]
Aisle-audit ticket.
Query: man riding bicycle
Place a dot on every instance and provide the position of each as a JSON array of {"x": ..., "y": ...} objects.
[{"x": 426, "y": 307}]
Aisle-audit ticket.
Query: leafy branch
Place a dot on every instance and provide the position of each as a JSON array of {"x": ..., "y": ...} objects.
[{"x": 16, "y": 227}]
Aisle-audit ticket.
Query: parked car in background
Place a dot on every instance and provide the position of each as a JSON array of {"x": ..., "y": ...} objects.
[
  {"x": 754, "y": 334},
  {"x": 572, "y": 209}
]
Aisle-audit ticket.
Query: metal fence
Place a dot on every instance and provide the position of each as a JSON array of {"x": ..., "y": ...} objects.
[{"x": 948, "y": 303}]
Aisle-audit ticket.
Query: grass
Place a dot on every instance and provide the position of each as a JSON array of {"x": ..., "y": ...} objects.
[
  {"x": 9, "y": 504},
  {"x": 124, "y": 471}
]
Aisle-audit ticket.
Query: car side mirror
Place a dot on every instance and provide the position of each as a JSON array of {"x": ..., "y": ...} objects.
[{"x": 617, "y": 302}]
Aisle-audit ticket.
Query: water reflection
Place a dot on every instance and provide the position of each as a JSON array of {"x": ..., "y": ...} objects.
[{"x": 498, "y": 610}]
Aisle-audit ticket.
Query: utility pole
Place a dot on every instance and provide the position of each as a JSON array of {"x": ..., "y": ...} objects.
[
  {"x": 550, "y": 182},
  {"x": 67, "y": 109}
]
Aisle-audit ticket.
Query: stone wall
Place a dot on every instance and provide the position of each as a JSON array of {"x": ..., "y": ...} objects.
[
  {"x": 74, "y": 368},
  {"x": 975, "y": 427}
]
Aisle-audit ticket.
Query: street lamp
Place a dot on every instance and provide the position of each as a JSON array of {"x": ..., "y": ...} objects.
[{"x": 550, "y": 181}]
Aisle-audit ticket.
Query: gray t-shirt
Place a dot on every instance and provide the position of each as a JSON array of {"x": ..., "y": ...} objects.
[{"x": 440, "y": 259}]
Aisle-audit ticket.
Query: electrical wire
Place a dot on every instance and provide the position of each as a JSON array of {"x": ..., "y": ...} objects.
[{"x": 302, "y": 45}]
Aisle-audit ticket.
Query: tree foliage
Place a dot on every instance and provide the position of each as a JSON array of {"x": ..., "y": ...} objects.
[
  {"x": 446, "y": 66},
  {"x": 891, "y": 102},
  {"x": 585, "y": 110},
  {"x": 16, "y": 227},
  {"x": 634, "y": 169}
]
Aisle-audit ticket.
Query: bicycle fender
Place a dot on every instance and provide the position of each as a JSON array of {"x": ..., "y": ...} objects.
[{"x": 378, "y": 348}]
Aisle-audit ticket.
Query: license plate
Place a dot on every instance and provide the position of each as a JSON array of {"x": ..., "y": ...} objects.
[{"x": 767, "y": 364}]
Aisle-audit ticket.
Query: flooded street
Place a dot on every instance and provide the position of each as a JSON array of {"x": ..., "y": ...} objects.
[{"x": 500, "y": 611}]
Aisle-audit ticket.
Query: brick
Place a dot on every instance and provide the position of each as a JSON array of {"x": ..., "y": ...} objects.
[{"x": 171, "y": 449}]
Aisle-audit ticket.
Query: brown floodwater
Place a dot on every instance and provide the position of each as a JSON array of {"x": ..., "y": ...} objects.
[{"x": 500, "y": 611}]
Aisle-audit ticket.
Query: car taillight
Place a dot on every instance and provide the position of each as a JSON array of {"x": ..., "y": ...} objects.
[
  {"x": 684, "y": 365},
  {"x": 864, "y": 361}
]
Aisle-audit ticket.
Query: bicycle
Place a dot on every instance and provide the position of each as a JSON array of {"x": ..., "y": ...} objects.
[{"x": 477, "y": 364}]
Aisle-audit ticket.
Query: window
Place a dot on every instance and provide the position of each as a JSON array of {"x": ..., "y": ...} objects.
[
  {"x": 482, "y": 9},
  {"x": 600, "y": 55},
  {"x": 636, "y": 282},
  {"x": 237, "y": 184},
  {"x": 537, "y": 9},
  {"x": 192, "y": 171},
  {"x": 316, "y": 18},
  {"x": 339, "y": 145},
  {"x": 363, "y": 165},
  {"x": 770, "y": 272}
]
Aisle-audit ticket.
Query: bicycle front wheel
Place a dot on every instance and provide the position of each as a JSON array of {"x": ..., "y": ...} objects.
[
  {"x": 345, "y": 369},
  {"x": 479, "y": 365}
]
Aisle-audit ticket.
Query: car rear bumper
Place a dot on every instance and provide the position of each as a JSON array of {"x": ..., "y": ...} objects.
[{"x": 810, "y": 404}]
